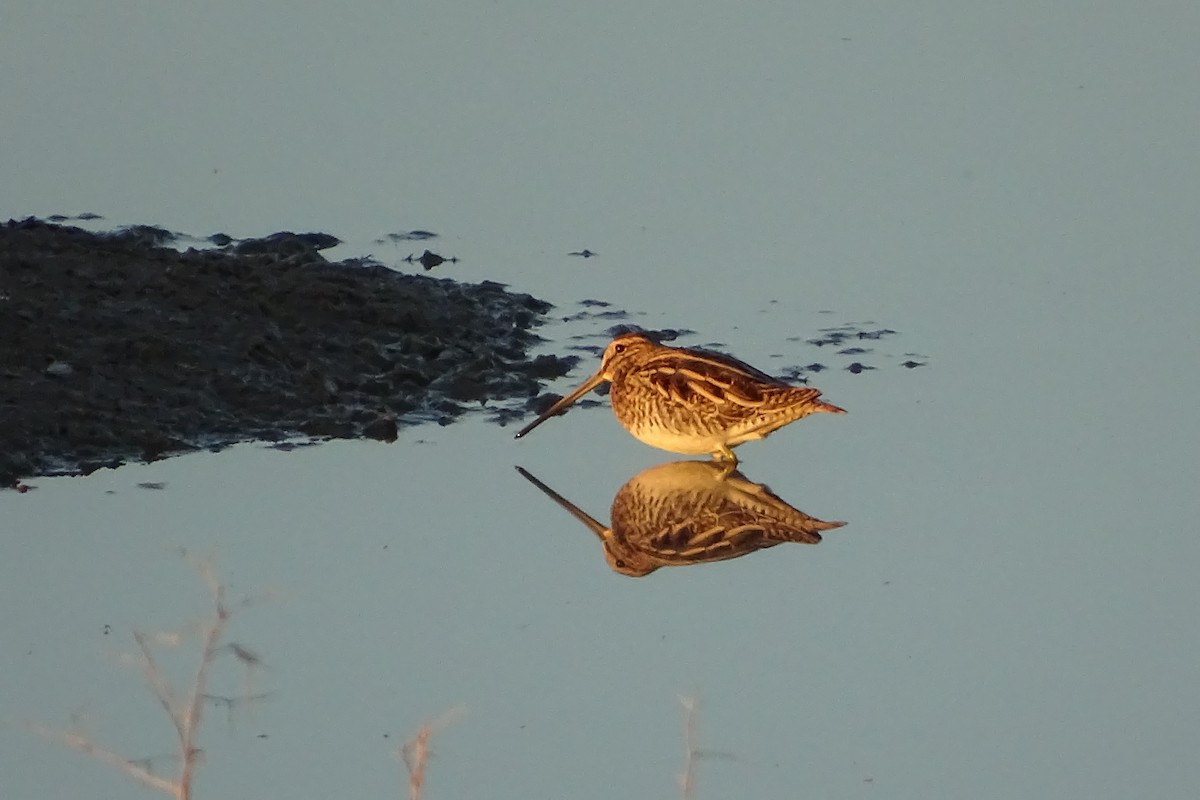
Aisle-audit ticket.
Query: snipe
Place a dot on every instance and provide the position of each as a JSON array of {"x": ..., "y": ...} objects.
[
  {"x": 691, "y": 401},
  {"x": 691, "y": 512}
]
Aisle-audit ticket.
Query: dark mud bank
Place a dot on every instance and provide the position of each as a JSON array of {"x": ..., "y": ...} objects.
[{"x": 114, "y": 347}]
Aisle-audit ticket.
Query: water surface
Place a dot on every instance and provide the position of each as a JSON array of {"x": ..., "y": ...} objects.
[{"x": 1007, "y": 611}]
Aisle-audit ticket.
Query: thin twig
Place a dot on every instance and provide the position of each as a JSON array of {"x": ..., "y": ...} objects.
[
  {"x": 79, "y": 741},
  {"x": 687, "y": 778},
  {"x": 416, "y": 755},
  {"x": 415, "y": 752},
  {"x": 158, "y": 684},
  {"x": 190, "y": 724},
  {"x": 185, "y": 713}
]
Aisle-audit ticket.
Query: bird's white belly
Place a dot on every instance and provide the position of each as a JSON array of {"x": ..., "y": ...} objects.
[{"x": 673, "y": 442}]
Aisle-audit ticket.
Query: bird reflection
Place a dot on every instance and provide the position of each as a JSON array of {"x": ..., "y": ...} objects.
[{"x": 691, "y": 512}]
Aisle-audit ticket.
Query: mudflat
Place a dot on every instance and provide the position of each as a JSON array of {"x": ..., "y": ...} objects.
[{"x": 116, "y": 346}]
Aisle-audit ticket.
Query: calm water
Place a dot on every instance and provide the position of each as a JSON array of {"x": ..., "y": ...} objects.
[{"x": 1009, "y": 610}]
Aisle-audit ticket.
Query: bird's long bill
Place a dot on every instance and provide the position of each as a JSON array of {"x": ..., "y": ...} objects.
[
  {"x": 557, "y": 408},
  {"x": 592, "y": 524}
]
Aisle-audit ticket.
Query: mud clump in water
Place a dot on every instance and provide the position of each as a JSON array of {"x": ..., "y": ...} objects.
[{"x": 114, "y": 346}]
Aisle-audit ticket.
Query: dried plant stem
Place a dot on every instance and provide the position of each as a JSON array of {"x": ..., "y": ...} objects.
[
  {"x": 415, "y": 752},
  {"x": 416, "y": 755},
  {"x": 83, "y": 744},
  {"x": 184, "y": 710},
  {"x": 687, "y": 778}
]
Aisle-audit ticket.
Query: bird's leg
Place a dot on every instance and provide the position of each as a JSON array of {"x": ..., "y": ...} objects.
[
  {"x": 725, "y": 456},
  {"x": 727, "y": 469}
]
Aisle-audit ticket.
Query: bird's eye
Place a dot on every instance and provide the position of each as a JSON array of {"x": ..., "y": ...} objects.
[{"x": 619, "y": 348}]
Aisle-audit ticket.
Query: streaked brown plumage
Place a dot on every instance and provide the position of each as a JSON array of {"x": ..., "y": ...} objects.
[
  {"x": 691, "y": 512},
  {"x": 691, "y": 401}
]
